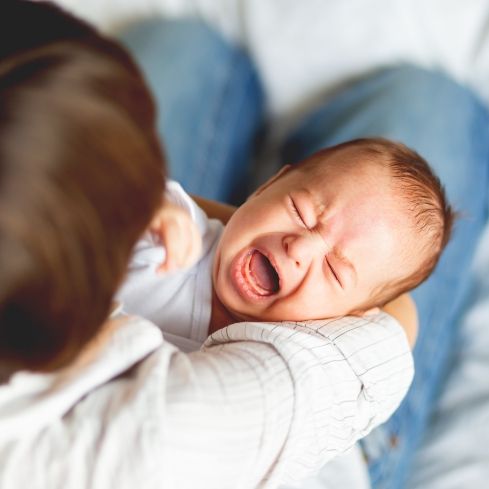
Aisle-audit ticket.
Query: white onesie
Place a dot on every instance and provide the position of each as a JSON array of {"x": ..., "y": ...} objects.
[{"x": 179, "y": 303}]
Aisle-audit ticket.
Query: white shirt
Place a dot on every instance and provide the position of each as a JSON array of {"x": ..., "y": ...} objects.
[{"x": 259, "y": 405}]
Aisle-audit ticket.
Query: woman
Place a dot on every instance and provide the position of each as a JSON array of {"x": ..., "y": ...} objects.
[{"x": 90, "y": 397}]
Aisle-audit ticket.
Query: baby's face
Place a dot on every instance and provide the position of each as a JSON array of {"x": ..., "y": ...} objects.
[{"x": 310, "y": 247}]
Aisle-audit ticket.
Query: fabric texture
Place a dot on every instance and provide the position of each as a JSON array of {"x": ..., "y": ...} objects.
[
  {"x": 224, "y": 123},
  {"x": 305, "y": 51},
  {"x": 261, "y": 404},
  {"x": 179, "y": 302}
]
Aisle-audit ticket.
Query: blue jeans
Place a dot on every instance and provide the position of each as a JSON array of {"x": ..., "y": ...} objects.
[
  {"x": 212, "y": 110},
  {"x": 210, "y": 104}
]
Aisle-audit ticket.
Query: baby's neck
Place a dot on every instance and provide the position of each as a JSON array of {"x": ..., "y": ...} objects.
[{"x": 220, "y": 316}]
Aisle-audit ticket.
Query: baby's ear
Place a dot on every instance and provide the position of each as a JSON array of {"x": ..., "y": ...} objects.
[{"x": 271, "y": 180}]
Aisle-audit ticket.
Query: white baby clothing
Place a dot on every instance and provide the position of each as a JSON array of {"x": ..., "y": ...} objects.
[{"x": 179, "y": 303}]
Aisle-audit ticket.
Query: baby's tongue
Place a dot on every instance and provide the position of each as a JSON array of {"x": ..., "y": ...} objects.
[{"x": 263, "y": 272}]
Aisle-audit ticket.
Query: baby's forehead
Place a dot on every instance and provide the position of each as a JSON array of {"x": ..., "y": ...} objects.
[{"x": 336, "y": 175}]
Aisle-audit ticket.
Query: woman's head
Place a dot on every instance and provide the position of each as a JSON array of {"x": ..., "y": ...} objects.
[{"x": 81, "y": 173}]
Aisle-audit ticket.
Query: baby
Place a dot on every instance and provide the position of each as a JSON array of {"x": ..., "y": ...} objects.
[{"x": 347, "y": 230}]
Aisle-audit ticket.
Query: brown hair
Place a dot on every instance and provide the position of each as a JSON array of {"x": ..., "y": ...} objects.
[
  {"x": 81, "y": 173},
  {"x": 424, "y": 196}
]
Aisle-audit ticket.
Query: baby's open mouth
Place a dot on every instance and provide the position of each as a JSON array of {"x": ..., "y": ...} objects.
[{"x": 261, "y": 274}]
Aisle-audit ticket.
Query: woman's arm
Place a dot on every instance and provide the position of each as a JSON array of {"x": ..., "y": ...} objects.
[{"x": 404, "y": 310}]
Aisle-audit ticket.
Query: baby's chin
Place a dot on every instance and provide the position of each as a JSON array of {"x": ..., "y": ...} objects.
[
  {"x": 253, "y": 314},
  {"x": 238, "y": 314}
]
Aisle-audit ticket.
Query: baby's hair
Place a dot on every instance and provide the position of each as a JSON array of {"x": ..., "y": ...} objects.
[
  {"x": 424, "y": 197},
  {"x": 81, "y": 174}
]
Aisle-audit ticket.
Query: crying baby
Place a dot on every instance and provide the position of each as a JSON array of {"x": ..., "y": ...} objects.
[{"x": 348, "y": 229}]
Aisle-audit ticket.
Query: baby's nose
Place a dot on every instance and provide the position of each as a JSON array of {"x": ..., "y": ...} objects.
[{"x": 301, "y": 249}]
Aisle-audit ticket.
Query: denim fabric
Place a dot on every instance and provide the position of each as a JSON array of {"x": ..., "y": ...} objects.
[
  {"x": 210, "y": 104},
  {"x": 211, "y": 109},
  {"x": 446, "y": 124}
]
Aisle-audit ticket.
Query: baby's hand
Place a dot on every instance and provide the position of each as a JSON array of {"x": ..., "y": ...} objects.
[{"x": 175, "y": 229}]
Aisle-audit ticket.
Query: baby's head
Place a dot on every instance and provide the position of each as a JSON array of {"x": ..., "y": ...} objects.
[
  {"x": 81, "y": 174},
  {"x": 350, "y": 228}
]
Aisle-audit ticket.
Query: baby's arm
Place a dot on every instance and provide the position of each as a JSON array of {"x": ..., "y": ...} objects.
[
  {"x": 179, "y": 234},
  {"x": 215, "y": 210}
]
